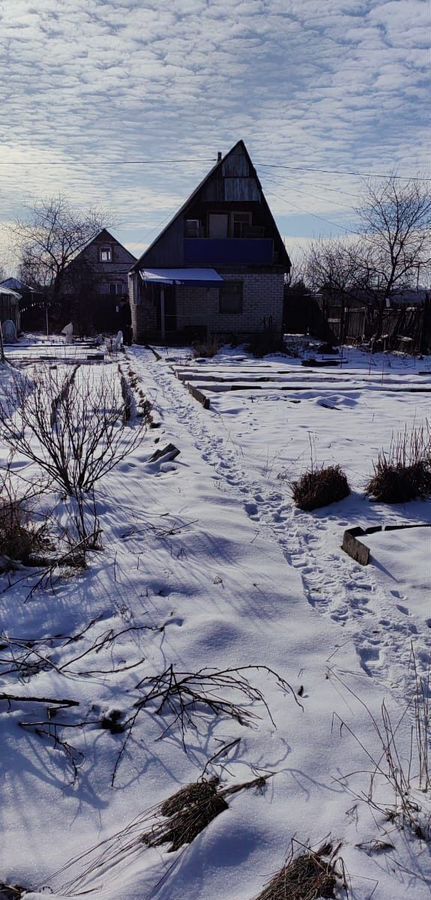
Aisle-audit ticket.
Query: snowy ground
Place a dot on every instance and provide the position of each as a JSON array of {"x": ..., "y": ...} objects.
[{"x": 206, "y": 563}]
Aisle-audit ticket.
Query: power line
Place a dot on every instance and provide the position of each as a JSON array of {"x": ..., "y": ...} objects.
[
  {"x": 337, "y": 172},
  {"x": 275, "y": 179},
  {"x": 315, "y": 215},
  {"x": 169, "y": 161},
  {"x": 106, "y": 162}
]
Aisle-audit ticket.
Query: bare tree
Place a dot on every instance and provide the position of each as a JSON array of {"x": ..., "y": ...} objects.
[
  {"x": 336, "y": 270},
  {"x": 50, "y": 239},
  {"x": 396, "y": 241},
  {"x": 396, "y": 222},
  {"x": 336, "y": 267}
]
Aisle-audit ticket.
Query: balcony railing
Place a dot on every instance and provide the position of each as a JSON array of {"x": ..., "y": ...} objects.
[{"x": 228, "y": 251}]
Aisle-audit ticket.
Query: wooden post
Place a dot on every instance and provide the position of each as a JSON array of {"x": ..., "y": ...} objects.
[{"x": 162, "y": 314}]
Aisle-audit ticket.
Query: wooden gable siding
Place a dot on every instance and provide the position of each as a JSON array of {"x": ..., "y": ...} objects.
[
  {"x": 120, "y": 256},
  {"x": 236, "y": 164},
  {"x": 244, "y": 189},
  {"x": 168, "y": 252},
  {"x": 231, "y": 185}
]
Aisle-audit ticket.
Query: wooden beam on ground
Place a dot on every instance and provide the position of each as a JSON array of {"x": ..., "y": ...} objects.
[{"x": 198, "y": 395}]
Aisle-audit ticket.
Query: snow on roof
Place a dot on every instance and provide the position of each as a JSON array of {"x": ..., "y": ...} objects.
[
  {"x": 180, "y": 276},
  {"x": 15, "y": 285}
]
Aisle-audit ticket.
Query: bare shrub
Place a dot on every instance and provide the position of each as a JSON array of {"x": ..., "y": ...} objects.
[
  {"x": 19, "y": 536},
  {"x": 84, "y": 530},
  {"x": 206, "y": 348},
  {"x": 403, "y": 472},
  {"x": 72, "y": 429},
  {"x": 265, "y": 342},
  {"x": 307, "y": 875},
  {"x": 319, "y": 487},
  {"x": 188, "y": 698}
]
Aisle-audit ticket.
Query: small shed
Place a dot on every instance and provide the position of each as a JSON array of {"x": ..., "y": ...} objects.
[{"x": 9, "y": 307}]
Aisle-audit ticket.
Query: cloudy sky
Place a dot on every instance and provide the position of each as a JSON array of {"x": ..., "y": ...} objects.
[{"x": 124, "y": 104}]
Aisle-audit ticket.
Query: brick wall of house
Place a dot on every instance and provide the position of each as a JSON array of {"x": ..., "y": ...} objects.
[
  {"x": 198, "y": 307},
  {"x": 262, "y": 306}
]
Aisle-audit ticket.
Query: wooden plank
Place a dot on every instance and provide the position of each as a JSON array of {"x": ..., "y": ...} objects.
[
  {"x": 199, "y": 396},
  {"x": 355, "y": 548}
]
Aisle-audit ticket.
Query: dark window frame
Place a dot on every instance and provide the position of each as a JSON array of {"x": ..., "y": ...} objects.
[
  {"x": 231, "y": 298},
  {"x": 108, "y": 252}
]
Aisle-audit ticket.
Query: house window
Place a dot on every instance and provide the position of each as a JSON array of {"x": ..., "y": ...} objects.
[
  {"x": 105, "y": 254},
  {"x": 230, "y": 297},
  {"x": 240, "y": 223},
  {"x": 192, "y": 228},
  {"x": 117, "y": 287}
]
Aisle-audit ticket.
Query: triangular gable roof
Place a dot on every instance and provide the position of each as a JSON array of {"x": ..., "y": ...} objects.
[
  {"x": 240, "y": 145},
  {"x": 15, "y": 284},
  {"x": 100, "y": 237}
]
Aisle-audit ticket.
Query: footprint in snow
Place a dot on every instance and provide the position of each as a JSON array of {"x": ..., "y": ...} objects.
[{"x": 370, "y": 658}]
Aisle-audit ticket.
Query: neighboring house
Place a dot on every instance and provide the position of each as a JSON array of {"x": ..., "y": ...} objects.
[
  {"x": 217, "y": 269},
  {"x": 95, "y": 282}
]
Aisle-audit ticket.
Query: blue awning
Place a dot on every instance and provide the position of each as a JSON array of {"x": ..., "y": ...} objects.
[{"x": 192, "y": 277}]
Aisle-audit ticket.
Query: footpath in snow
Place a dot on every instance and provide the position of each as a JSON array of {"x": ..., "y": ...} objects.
[{"x": 206, "y": 564}]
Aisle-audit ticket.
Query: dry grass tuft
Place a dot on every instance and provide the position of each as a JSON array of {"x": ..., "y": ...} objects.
[
  {"x": 192, "y": 809},
  {"x": 398, "y": 484},
  {"x": 319, "y": 487},
  {"x": 176, "y": 822},
  {"x": 305, "y": 876},
  {"x": 403, "y": 472},
  {"x": 188, "y": 812},
  {"x": 188, "y": 795}
]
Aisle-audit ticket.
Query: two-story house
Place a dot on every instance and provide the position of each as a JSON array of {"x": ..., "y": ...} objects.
[
  {"x": 217, "y": 269},
  {"x": 95, "y": 282}
]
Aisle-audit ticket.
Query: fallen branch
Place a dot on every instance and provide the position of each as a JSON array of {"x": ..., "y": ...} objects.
[{"x": 49, "y": 701}]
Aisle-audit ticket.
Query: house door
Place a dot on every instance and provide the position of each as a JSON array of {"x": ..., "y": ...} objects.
[{"x": 217, "y": 225}]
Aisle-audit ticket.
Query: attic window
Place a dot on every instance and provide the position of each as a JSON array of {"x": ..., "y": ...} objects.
[
  {"x": 105, "y": 254},
  {"x": 193, "y": 227}
]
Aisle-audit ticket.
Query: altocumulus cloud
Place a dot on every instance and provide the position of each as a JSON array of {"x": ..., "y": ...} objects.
[{"x": 336, "y": 85}]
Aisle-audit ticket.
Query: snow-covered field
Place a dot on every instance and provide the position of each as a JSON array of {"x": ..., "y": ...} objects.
[{"x": 206, "y": 564}]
